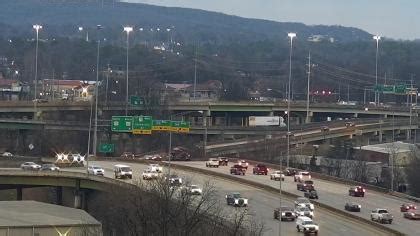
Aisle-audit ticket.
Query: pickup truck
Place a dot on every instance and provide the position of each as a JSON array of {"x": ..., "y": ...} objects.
[
  {"x": 306, "y": 185},
  {"x": 212, "y": 162},
  {"x": 260, "y": 169},
  {"x": 237, "y": 170},
  {"x": 381, "y": 216}
]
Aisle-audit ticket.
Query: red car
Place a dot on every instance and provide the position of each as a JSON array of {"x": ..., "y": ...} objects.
[
  {"x": 357, "y": 191},
  {"x": 237, "y": 170},
  {"x": 407, "y": 206},
  {"x": 412, "y": 215},
  {"x": 260, "y": 169}
]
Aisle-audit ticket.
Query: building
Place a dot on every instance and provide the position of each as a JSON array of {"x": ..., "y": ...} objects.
[
  {"x": 31, "y": 218},
  {"x": 10, "y": 89},
  {"x": 67, "y": 89},
  {"x": 205, "y": 92},
  {"x": 384, "y": 152}
]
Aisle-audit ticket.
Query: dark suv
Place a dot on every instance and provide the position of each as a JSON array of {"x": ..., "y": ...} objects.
[
  {"x": 305, "y": 185},
  {"x": 223, "y": 161},
  {"x": 284, "y": 213},
  {"x": 180, "y": 154},
  {"x": 260, "y": 169},
  {"x": 237, "y": 170},
  {"x": 357, "y": 191}
]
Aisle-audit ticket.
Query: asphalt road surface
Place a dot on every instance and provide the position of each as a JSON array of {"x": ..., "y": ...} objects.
[{"x": 261, "y": 203}]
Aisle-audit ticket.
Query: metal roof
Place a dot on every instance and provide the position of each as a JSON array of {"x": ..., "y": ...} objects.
[{"x": 32, "y": 213}]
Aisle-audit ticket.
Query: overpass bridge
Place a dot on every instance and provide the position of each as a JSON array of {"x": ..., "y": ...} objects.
[{"x": 228, "y": 112}]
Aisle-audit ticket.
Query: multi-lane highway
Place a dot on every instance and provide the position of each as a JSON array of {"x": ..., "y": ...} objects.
[
  {"x": 261, "y": 204},
  {"x": 335, "y": 195}
]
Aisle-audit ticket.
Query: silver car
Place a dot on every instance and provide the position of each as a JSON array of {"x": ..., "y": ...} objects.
[{"x": 30, "y": 166}]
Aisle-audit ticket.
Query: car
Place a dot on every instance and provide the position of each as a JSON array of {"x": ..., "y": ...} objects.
[
  {"x": 305, "y": 185},
  {"x": 123, "y": 171},
  {"x": 156, "y": 168},
  {"x": 306, "y": 225},
  {"x": 76, "y": 157},
  {"x": 212, "y": 162},
  {"x": 154, "y": 157},
  {"x": 290, "y": 171},
  {"x": 50, "y": 167},
  {"x": 357, "y": 191},
  {"x": 311, "y": 194},
  {"x": 303, "y": 211},
  {"x": 237, "y": 170},
  {"x": 180, "y": 154},
  {"x": 193, "y": 189},
  {"x": 407, "y": 207},
  {"x": 302, "y": 176},
  {"x": 7, "y": 154},
  {"x": 30, "y": 166},
  {"x": 223, "y": 161},
  {"x": 149, "y": 174},
  {"x": 243, "y": 163},
  {"x": 174, "y": 180},
  {"x": 287, "y": 213},
  {"x": 277, "y": 175},
  {"x": 381, "y": 215},
  {"x": 260, "y": 169},
  {"x": 96, "y": 170},
  {"x": 235, "y": 199},
  {"x": 40, "y": 100},
  {"x": 412, "y": 215},
  {"x": 303, "y": 201},
  {"x": 351, "y": 206},
  {"x": 127, "y": 155}
]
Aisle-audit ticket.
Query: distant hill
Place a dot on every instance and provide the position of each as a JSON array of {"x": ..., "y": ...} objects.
[{"x": 61, "y": 17}]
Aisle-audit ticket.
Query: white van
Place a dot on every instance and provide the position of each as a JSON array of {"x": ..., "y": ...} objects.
[{"x": 123, "y": 171}]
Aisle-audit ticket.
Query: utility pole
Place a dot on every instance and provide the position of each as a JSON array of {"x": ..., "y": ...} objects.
[
  {"x": 348, "y": 93},
  {"x": 107, "y": 84},
  {"x": 364, "y": 96},
  {"x": 307, "y": 94}
]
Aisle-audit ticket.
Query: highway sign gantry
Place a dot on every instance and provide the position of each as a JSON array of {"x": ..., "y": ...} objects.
[
  {"x": 161, "y": 125},
  {"x": 122, "y": 123},
  {"x": 142, "y": 125}
]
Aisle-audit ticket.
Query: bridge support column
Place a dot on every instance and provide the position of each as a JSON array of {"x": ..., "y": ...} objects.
[
  {"x": 385, "y": 116},
  {"x": 59, "y": 196},
  {"x": 19, "y": 193},
  {"x": 380, "y": 135},
  {"x": 271, "y": 113},
  {"x": 77, "y": 195},
  {"x": 408, "y": 134},
  {"x": 308, "y": 118},
  {"x": 356, "y": 115}
]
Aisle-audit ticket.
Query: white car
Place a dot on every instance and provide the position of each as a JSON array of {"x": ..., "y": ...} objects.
[
  {"x": 303, "y": 201},
  {"x": 149, "y": 174},
  {"x": 156, "y": 168},
  {"x": 381, "y": 215},
  {"x": 277, "y": 175},
  {"x": 306, "y": 225},
  {"x": 302, "y": 176},
  {"x": 96, "y": 170},
  {"x": 193, "y": 189},
  {"x": 212, "y": 162},
  {"x": 7, "y": 154},
  {"x": 304, "y": 211},
  {"x": 30, "y": 166},
  {"x": 123, "y": 171}
]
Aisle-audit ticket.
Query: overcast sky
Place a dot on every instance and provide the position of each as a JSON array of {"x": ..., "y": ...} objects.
[{"x": 397, "y": 19}]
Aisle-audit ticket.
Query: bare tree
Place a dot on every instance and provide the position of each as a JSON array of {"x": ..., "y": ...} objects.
[{"x": 156, "y": 208}]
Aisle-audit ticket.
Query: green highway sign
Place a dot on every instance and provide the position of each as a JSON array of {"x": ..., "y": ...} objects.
[
  {"x": 106, "y": 147},
  {"x": 180, "y": 126},
  {"x": 121, "y": 123},
  {"x": 136, "y": 101},
  {"x": 161, "y": 125},
  {"x": 388, "y": 89},
  {"x": 400, "y": 89},
  {"x": 142, "y": 125}
]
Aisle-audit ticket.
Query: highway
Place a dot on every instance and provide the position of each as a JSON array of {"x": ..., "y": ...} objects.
[
  {"x": 335, "y": 195},
  {"x": 261, "y": 204}
]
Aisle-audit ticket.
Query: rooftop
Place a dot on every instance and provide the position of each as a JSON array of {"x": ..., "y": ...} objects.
[
  {"x": 395, "y": 147},
  {"x": 32, "y": 213}
]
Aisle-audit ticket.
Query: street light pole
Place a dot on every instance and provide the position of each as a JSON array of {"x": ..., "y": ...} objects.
[
  {"x": 377, "y": 38},
  {"x": 291, "y": 36},
  {"x": 307, "y": 94},
  {"x": 36, "y": 28},
  {"x": 95, "y": 134},
  {"x": 127, "y": 29}
]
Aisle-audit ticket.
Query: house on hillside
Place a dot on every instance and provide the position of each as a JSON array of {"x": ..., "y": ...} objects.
[
  {"x": 206, "y": 92},
  {"x": 10, "y": 89},
  {"x": 68, "y": 89}
]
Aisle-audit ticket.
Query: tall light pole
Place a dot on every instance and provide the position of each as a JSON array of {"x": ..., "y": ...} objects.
[
  {"x": 127, "y": 29},
  {"x": 291, "y": 36},
  {"x": 37, "y": 28},
  {"x": 377, "y": 38},
  {"x": 95, "y": 134},
  {"x": 307, "y": 94}
]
